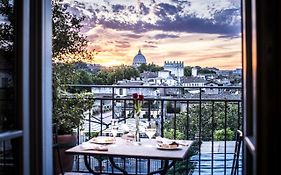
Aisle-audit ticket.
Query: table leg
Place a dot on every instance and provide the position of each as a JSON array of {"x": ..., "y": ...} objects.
[
  {"x": 165, "y": 168},
  {"x": 88, "y": 166},
  {"x": 117, "y": 167}
]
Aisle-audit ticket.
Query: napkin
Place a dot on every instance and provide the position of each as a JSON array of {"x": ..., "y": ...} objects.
[
  {"x": 87, "y": 146},
  {"x": 128, "y": 136},
  {"x": 169, "y": 141}
]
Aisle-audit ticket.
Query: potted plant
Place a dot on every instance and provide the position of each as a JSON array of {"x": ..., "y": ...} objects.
[{"x": 69, "y": 110}]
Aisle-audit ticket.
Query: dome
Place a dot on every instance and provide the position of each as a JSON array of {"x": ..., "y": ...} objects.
[{"x": 139, "y": 59}]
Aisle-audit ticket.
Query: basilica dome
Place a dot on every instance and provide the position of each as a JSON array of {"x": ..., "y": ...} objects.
[{"x": 139, "y": 59}]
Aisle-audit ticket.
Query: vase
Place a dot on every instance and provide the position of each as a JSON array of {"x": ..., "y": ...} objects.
[{"x": 137, "y": 134}]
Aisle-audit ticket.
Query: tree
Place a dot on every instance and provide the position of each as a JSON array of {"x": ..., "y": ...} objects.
[
  {"x": 7, "y": 28},
  {"x": 68, "y": 49},
  {"x": 110, "y": 76},
  {"x": 187, "y": 71},
  {"x": 191, "y": 126},
  {"x": 151, "y": 67},
  {"x": 66, "y": 30},
  {"x": 206, "y": 71}
]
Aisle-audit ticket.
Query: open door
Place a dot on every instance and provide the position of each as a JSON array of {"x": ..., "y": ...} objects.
[{"x": 262, "y": 87}]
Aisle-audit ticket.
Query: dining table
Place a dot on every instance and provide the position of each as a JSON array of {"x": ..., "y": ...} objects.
[{"x": 124, "y": 148}]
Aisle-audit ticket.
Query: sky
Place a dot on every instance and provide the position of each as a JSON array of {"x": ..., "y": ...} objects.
[{"x": 204, "y": 33}]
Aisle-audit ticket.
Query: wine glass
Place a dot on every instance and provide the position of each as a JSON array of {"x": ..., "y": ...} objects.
[
  {"x": 114, "y": 127},
  {"x": 150, "y": 129}
]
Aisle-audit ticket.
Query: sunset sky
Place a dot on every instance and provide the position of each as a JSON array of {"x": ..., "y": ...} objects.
[{"x": 203, "y": 33}]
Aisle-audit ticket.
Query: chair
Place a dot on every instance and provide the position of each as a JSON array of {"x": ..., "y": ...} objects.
[
  {"x": 235, "y": 163},
  {"x": 56, "y": 148}
]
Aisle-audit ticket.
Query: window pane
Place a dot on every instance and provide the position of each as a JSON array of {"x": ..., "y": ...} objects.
[{"x": 7, "y": 88}]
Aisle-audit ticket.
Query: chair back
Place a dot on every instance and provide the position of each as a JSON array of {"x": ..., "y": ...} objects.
[{"x": 235, "y": 163}]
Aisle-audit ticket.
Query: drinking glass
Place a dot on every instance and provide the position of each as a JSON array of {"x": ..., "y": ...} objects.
[
  {"x": 150, "y": 129},
  {"x": 114, "y": 127}
]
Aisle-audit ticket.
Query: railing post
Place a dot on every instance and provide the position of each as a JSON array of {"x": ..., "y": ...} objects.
[
  {"x": 212, "y": 166},
  {"x": 125, "y": 117},
  {"x": 162, "y": 118},
  {"x": 200, "y": 124},
  {"x": 113, "y": 102},
  {"x": 187, "y": 120},
  {"x": 175, "y": 118},
  {"x": 89, "y": 124},
  {"x": 101, "y": 117},
  {"x": 225, "y": 123}
]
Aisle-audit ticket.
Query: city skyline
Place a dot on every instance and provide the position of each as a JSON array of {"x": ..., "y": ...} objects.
[{"x": 197, "y": 32}]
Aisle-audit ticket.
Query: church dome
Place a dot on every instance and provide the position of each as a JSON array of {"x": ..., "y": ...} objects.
[{"x": 139, "y": 59}]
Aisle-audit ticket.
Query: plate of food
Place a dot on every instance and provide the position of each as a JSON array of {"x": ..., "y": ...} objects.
[
  {"x": 170, "y": 146},
  {"x": 102, "y": 140}
]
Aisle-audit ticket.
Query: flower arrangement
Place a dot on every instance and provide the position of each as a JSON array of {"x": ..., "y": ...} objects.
[{"x": 138, "y": 101}]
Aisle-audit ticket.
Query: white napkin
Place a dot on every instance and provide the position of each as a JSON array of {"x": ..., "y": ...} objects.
[
  {"x": 88, "y": 146},
  {"x": 169, "y": 141}
]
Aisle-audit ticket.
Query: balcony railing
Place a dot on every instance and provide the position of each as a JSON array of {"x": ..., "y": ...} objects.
[{"x": 209, "y": 115}]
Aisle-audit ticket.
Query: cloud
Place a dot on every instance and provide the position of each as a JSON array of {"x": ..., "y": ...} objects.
[
  {"x": 135, "y": 36},
  {"x": 143, "y": 9},
  {"x": 193, "y": 24},
  {"x": 188, "y": 23},
  {"x": 168, "y": 9},
  {"x": 122, "y": 44},
  {"x": 169, "y": 16},
  {"x": 92, "y": 37},
  {"x": 150, "y": 42},
  {"x": 117, "y": 8},
  {"x": 148, "y": 46},
  {"x": 164, "y": 36}
]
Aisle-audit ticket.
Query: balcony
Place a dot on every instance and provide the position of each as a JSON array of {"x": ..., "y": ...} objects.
[{"x": 210, "y": 116}]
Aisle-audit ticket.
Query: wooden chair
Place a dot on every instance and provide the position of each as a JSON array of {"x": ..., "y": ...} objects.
[{"x": 235, "y": 163}]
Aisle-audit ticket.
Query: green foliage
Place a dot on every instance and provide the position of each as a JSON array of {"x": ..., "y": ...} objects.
[
  {"x": 191, "y": 125},
  {"x": 188, "y": 128},
  {"x": 151, "y": 67},
  {"x": 90, "y": 135},
  {"x": 206, "y": 71},
  {"x": 66, "y": 30},
  {"x": 187, "y": 71},
  {"x": 68, "y": 47},
  {"x": 171, "y": 109},
  {"x": 219, "y": 135},
  {"x": 169, "y": 133},
  {"x": 7, "y": 28},
  {"x": 112, "y": 75},
  {"x": 70, "y": 110}
]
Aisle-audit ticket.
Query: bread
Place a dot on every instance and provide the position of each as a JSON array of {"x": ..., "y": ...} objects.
[{"x": 169, "y": 146}]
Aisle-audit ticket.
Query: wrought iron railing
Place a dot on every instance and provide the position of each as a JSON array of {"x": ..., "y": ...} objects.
[{"x": 209, "y": 115}]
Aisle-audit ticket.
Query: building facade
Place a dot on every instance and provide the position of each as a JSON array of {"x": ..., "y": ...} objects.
[{"x": 175, "y": 67}]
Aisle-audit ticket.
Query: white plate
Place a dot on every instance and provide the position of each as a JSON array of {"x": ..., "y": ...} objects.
[
  {"x": 169, "y": 148},
  {"x": 102, "y": 140}
]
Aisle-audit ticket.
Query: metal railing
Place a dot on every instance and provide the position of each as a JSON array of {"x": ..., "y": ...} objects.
[{"x": 210, "y": 116}]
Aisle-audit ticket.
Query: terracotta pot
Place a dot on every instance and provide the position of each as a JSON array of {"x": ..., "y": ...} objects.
[{"x": 65, "y": 142}]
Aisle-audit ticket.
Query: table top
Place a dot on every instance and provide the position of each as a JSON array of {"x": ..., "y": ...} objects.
[{"x": 148, "y": 149}]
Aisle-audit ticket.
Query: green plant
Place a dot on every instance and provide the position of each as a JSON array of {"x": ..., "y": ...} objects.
[
  {"x": 69, "y": 48},
  {"x": 169, "y": 133},
  {"x": 90, "y": 135},
  {"x": 171, "y": 108},
  {"x": 220, "y": 134},
  {"x": 69, "y": 110}
]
